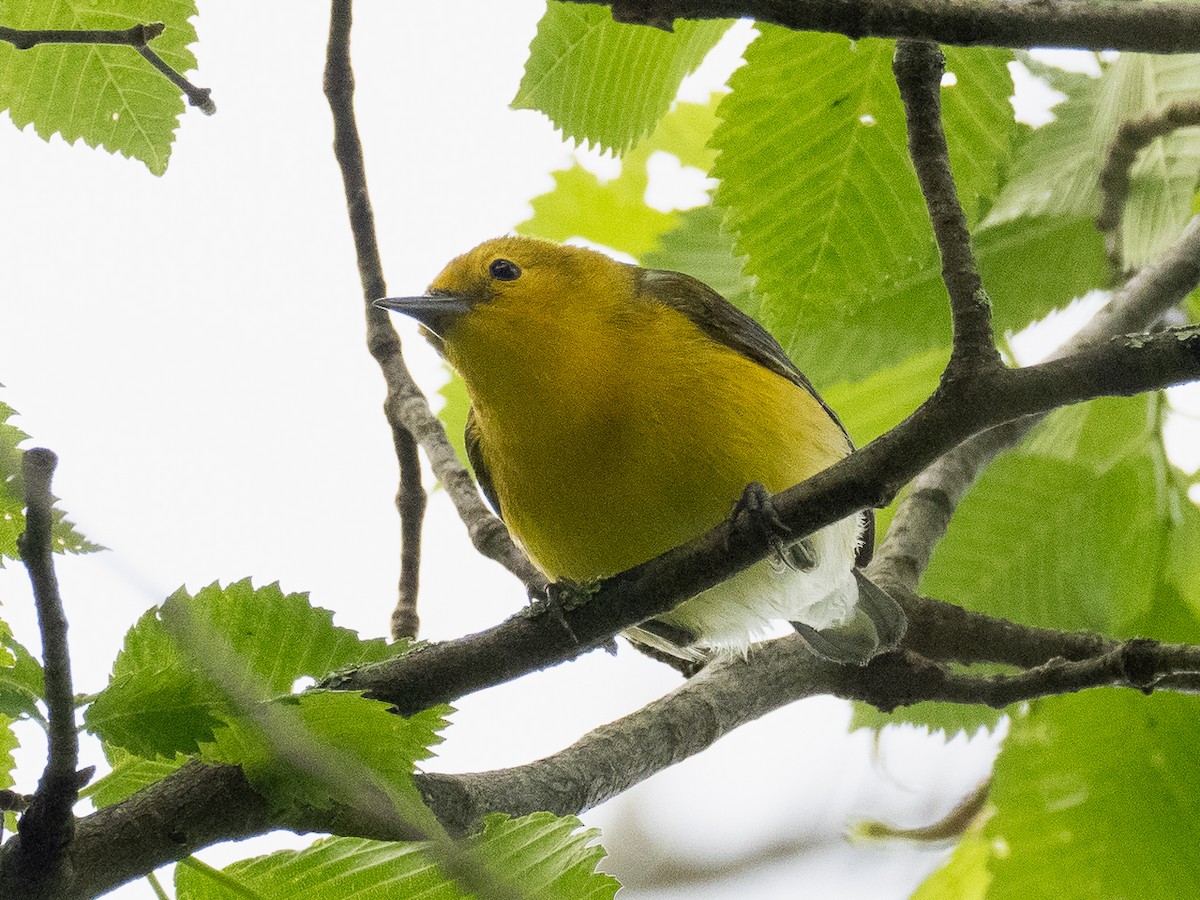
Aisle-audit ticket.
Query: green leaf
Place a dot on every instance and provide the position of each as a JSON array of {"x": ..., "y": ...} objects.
[
  {"x": 366, "y": 731},
  {"x": 604, "y": 82},
  {"x": 453, "y": 414},
  {"x": 12, "y": 497},
  {"x": 548, "y": 857},
  {"x": 8, "y": 743},
  {"x": 827, "y": 208},
  {"x": 701, "y": 247},
  {"x": 159, "y": 703},
  {"x": 1056, "y": 171},
  {"x": 964, "y": 876},
  {"x": 1098, "y": 795},
  {"x": 614, "y": 213},
  {"x": 107, "y": 95},
  {"x": 1050, "y": 543},
  {"x": 870, "y": 407},
  {"x": 129, "y": 775},
  {"x": 21, "y": 680},
  {"x": 815, "y": 172}
]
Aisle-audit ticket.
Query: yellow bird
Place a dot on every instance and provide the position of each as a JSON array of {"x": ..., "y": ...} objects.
[{"x": 617, "y": 412}]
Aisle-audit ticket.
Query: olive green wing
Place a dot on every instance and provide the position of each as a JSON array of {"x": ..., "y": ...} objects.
[
  {"x": 483, "y": 475},
  {"x": 724, "y": 323}
]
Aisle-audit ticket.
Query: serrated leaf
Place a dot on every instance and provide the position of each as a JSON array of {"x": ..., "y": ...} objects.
[
  {"x": 549, "y": 858},
  {"x": 21, "y": 679},
  {"x": 815, "y": 173},
  {"x": 614, "y": 213},
  {"x": 65, "y": 539},
  {"x": 129, "y": 775},
  {"x": 385, "y": 744},
  {"x": 108, "y": 95},
  {"x": 8, "y": 743},
  {"x": 159, "y": 703},
  {"x": 1056, "y": 172},
  {"x": 604, "y": 82}
]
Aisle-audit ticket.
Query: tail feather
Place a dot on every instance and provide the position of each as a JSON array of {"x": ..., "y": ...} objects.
[{"x": 878, "y": 626}]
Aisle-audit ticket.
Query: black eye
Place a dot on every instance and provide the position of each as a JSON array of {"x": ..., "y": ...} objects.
[{"x": 504, "y": 270}]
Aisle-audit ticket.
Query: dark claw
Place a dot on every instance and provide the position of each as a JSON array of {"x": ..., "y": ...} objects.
[{"x": 758, "y": 507}]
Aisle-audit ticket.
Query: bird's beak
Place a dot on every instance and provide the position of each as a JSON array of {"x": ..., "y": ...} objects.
[{"x": 434, "y": 310}]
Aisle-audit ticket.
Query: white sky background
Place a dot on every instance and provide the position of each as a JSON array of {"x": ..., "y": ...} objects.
[{"x": 192, "y": 348}]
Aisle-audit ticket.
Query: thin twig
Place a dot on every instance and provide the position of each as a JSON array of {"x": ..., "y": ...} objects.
[
  {"x": 405, "y": 408},
  {"x": 133, "y": 36},
  {"x": 924, "y": 514},
  {"x": 136, "y": 36},
  {"x": 47, "y": 827},
  {"x": 1132, "y": 137},
  {"x": 918, "y": 66},
  {"x": 199, "y": 97},
  {"x": 1088, "y": 24}
]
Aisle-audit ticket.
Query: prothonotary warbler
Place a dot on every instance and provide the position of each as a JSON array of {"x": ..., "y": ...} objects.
[{"x": 617, "y": 412}]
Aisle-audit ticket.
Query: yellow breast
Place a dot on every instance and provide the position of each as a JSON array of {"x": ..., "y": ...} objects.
[{"x": 610, "y": 442}]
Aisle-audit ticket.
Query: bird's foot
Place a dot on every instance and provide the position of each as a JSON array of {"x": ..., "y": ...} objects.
[{"x": 759, "y": 509}]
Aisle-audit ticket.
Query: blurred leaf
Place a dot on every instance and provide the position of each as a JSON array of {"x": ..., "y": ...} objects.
[
  {"x": 107, "y": 95},
  {"x": 870, "y": 407},
  {"x": 911, "y": 315},
  {"x": 159, "y": 703},
  {"x": 1056, "y": 171},
  {"x": 614, "y": 213},
  {"x": 453, "y": 414},
  {"x": 12, "y": 497},
  {"x": 548, "y": 857},
  {"x": 604, "y": 82},
  {"x": 367, "y": 731},
  {"x": 700, "y": 247},
  {"x": 964, "y": 876},
  {"x": 129, "y": 775},
  {"x": 1097, "y": 795}
]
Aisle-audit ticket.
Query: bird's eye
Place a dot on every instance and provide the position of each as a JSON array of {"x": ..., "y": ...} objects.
[{"x": 504, "y": 270}]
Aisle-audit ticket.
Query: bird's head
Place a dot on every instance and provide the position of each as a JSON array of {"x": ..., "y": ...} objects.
[{"x": 513, "y": 292}]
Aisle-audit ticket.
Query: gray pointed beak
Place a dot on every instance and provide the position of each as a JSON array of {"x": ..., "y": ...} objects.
[{"x": 433, "y": 311}]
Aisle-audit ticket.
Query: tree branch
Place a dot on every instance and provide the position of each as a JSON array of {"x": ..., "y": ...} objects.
[
  {"x": 1132, "y": 137},
  {"x": 37, "y": 868},
  {"x": 869, "y": 477},
  {"x": 405, "y": 408},
  {"x": 136, "y": 36},
  {"x": 924, "y": 514},
  {"x": 202, "y": 804},
  {"x": 1102, "y": 25},
  {"x": 919, "y": 66}
]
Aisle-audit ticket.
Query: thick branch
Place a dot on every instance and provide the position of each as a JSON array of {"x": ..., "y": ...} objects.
[
  {"x": 1100, "y": 25},
  {"x": 136, "y": 36},
  {"x": 405, "y": 408},
  {"x": 200, "y": 804},
  {"x": 919, "y": 67},
  {"x": 37, "y": 867}
]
